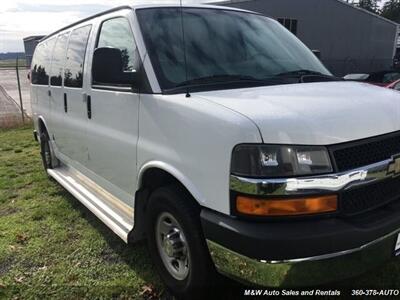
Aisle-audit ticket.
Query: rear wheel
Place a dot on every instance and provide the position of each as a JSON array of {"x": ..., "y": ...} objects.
[
  {"x": 48, "y": 159},
  {"x": 176, "y": 242}
]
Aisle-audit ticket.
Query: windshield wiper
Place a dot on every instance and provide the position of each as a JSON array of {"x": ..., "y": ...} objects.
[
  {"x": 225, "y": 78},
  {"x": 308, "y": 76},
  {"x": 298, "y": 73},
  {"x": 224, "y": 81}
]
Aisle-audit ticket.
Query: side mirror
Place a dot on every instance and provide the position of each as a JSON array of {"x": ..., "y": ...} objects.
[
  {"x": 107, "y": 68},
  {"x": 317, "y": 53}
]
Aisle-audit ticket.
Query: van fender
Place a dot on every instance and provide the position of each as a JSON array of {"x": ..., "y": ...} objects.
[
  {"x": 139, "y": 232},
  {"x": 186, "y": 182},
  {"x": 40, "y": 129}
]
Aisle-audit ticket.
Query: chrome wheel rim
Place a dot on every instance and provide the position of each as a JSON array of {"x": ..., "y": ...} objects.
[{"x": 172, "y": 246}]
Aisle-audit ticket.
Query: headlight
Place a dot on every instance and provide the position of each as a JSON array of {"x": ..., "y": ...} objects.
[{"x": 279, "y": 161}]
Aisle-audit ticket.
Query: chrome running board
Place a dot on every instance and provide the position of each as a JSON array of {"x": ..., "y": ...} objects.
[{"x": 113, "y": 212}]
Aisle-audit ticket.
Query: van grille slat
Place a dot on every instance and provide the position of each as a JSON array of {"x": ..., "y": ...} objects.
[
  {"x": 355, "y": 155},
  {"x": 366, "y": 198}
]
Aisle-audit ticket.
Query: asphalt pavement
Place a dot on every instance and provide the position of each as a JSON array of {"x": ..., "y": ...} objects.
[
  {"x": 8, "y": 80},
  {"x": 10, "y": 113}
]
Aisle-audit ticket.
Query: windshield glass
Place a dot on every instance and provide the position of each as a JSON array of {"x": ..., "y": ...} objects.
[{"x": 219, "y": 43}]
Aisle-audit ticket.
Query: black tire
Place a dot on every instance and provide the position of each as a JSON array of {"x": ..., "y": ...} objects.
[
  {"x": 177, "y": 202},
  {"x": 49, "y": 162}
]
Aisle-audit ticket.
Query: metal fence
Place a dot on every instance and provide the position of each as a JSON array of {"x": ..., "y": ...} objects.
[{"x": 14, "y": 93}]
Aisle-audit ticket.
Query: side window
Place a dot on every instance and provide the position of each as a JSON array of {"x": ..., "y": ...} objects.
[
  {"x": 73, "y": 72},
  {"x": 117, "y": 33},
  {"x": 41, "y": 63},
  {"x": 58, "y": 60},
  {"x": 38, "y": 73}
]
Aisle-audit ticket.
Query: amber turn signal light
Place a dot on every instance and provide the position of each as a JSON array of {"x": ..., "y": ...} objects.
[{"x": 286, "y": 207}]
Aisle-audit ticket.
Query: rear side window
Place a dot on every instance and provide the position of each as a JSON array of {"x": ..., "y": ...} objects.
[
  {"x": 116, "y": 33},
  {"x": 73, "y": 72},
  {"x": 41, "y": 63},
  {"x": 58, "y": 60}
]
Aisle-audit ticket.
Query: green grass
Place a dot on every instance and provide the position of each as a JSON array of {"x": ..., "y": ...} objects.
[{"x": 51, "y": 246}]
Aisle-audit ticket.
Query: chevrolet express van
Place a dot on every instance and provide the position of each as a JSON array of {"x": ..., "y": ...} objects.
[{"x": 221, "y": 138}]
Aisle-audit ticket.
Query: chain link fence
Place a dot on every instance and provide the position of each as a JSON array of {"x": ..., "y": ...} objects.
[{"x": 15, "y": 107}]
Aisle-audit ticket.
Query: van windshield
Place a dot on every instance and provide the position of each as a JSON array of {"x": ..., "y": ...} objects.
[{"x": 222, "y": 47}]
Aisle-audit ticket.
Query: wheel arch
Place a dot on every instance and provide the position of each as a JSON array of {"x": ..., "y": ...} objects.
[
  {"x": 42, "y": 126},
  {"x": 151, "y": 176},
  {"x": 161, "y": 167}
]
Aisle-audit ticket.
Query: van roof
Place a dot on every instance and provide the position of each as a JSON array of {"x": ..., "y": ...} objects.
[{"x": 141, "y": 6}]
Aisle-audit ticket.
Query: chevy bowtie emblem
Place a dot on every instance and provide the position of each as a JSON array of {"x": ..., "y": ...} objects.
[{"x": 394, "y": 166}]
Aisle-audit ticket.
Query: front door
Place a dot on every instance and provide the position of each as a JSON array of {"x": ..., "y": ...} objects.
[{"x": 112, "y": 130}]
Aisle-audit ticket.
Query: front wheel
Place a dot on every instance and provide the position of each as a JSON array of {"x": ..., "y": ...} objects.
[{"x": 176, "y": 242}]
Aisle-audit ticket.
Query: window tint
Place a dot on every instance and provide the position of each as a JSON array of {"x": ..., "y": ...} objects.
[
  {"x": 41, "y": 63},
  {"x": 73, "y": 73},
  {"x": 39, "y": 75},
  {"x": 116, "y": 33},
  {"x": 58, "y": 60}
]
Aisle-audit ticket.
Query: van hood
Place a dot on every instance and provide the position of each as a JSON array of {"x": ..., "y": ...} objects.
[{"x": 314, "y": 113}]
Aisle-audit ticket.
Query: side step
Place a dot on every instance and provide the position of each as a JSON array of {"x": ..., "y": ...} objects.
[{"x": 113, "y": 212}]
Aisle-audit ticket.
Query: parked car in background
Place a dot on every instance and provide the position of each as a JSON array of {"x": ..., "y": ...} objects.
[
  {"x": 356, "y": 77},
  {"x": 231, "y": 147},
  {"x": 395, "y": 85},
  {"x": 381, "y": 78}
]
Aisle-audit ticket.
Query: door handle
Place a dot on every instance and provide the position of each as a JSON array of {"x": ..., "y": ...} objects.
[
  {"x": 49, "y": 93},
  {"x": 89, "y": 106},
  {"x": 65, "y": 103}
]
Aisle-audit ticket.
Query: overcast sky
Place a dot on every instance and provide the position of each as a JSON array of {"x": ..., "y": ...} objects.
[{"x": 21, "y": 18}]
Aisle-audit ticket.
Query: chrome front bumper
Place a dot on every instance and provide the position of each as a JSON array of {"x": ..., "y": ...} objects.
[
  {"x": 291, "y": 239},
  {"x": 308, "y": 271}
]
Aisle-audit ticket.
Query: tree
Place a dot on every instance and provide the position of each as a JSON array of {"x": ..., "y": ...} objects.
[
  {"x": 125, "y": 60},
  {"x": 391, "y": 10},
  {"x": 370, "y": 5}
]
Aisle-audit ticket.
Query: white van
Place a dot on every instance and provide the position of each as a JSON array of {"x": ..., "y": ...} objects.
[{"x": 219, "y": 136}]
